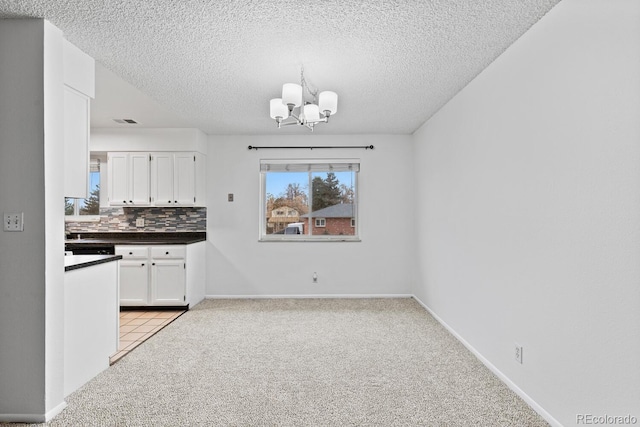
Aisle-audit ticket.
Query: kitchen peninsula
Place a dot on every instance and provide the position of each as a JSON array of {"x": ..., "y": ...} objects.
[
  {"x": 75, "y": 262},
  {"x": 158, "y": 269},
  {"x": 91, "y": 316}
]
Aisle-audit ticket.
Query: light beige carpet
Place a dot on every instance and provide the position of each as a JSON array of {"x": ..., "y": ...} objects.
[{"x": 299, "y": 362}]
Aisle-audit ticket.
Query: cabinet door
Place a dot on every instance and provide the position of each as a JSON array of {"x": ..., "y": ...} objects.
[
  {"x": 162, "y": 179},
  {"x": 76, "y": 143},
  {"x": 184, "y": 188},
  {"x": 139, "y": 179},
  {"x": 168, "y": 282},
  {"x": 134, "y": 283},
  {"x": 118, "y": 167}
]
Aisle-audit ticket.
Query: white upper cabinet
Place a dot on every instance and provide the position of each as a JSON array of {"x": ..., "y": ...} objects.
[
  {"x": 174, "y": 179},
  {"x": 139, "y": 173},
  {"x": 76, "y": 143},
  {"x": 162, "y": 179},
  {"x": 184, "y": 179},
  {"x": 79, "y": 88},
  {"x": 118, "y": 166},
  {"x": 128, "y": 179}
]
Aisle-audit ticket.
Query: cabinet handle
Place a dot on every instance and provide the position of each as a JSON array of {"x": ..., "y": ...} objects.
[
  {"x": 124, "y": 201},
  {"x": 169, "y": 201},
  {"x": 175, "y": 201},
  {"x": 153, "y": 263},
  {"x": 130, "y": 253},
  {"x": 131, "y": 201},
  {"x": 142, "y": 264},
  {"x": 166, "y": 253}
]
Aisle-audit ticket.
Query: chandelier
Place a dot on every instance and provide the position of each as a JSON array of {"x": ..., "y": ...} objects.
[{"x": 293, "y": 109}]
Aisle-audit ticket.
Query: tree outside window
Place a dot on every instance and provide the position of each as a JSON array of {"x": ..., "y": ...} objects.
[
  {"x": 90, "y": 206},
  {"x": 306, "y": 200}
]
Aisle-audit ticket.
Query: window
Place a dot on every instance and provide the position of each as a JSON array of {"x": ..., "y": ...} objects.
[
  {"x": 86, "y": 209},
  {"x": 319, "y": 196}
]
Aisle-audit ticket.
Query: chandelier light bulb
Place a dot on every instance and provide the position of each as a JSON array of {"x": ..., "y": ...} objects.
[
  {"x": 292, "y": 94},
  {"x": 328, "y": 102},
  {"x": 278, "y": 109},
  {"x": 311, "y": 113}
]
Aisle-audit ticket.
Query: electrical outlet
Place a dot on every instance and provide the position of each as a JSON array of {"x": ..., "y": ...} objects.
[
  {"x": 139, "y": 222},
  {"x": 518, "y": 353},
  {"x": 315, "y": 277},
  {"x": 13, "y": 221}
]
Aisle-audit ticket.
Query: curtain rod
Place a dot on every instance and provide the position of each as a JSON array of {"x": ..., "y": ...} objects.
[{"x": 366, "y": 147}]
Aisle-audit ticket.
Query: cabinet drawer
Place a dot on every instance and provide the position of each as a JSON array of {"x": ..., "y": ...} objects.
[
  {"x": 132, "y": 252},
  {"x": 173, "y": 251}
]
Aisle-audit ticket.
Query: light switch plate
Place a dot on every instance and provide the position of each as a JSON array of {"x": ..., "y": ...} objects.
[
  {"x": 13, "y": 221},
  {"x": 139, "y": 222}
]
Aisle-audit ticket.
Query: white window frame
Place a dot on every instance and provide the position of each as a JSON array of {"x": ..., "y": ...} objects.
[
  {"x": 321, "y": 222},
  {"x": 300, "y": 164},
  {"x": 76, "y": 217}
]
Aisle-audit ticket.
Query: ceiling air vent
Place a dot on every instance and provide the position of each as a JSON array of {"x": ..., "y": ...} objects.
[{"x": 126, "y": 121}]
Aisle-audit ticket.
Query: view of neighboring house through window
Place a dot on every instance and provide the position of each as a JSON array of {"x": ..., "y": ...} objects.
[
  {"x": 309, "y": 200},
  {"x": 90, "y": 207}
]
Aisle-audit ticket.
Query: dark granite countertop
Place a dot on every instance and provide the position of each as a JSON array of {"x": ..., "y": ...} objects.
[
  {"x": 87, "y": 240},
  {"x": 74, "y": 262}
]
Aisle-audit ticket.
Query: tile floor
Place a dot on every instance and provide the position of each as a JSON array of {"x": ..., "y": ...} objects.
[{"x": 138, "y": 326}]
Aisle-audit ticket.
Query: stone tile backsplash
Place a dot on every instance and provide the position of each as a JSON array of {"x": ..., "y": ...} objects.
[{"x": 123, "y": 219}]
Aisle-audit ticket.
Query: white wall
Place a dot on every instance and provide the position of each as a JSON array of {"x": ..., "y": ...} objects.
[
  {"x": 31, "y": 181},
  {"x": 54, "y": 164},
  {"x": 238, "y": 264},
  {"x": 146, "y": 139},
  {"x": 529, "y": 211}
]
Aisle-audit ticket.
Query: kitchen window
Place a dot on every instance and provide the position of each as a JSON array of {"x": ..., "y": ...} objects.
[
  {"x": 320, "y": 199},
  {"x": 88, "y": 209}
]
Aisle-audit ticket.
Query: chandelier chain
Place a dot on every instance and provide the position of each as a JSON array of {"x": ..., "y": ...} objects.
[{"x": 304, "y": 84}]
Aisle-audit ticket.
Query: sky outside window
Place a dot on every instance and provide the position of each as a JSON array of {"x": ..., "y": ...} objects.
[{"x": 277, "y": 182}]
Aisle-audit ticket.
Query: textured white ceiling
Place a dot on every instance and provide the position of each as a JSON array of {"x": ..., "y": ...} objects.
[{"x": 216, "y": 64}]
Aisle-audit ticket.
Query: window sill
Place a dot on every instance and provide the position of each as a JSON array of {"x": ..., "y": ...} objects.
[{"x": 311, "y": 239}]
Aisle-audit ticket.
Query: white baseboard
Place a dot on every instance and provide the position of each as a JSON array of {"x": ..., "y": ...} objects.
[
  {"x": 532, "y": 403},
  {"x": 359, "y": 296},
  {"x": 33, "y": 418},
  {"x": 55, "y": 411}
]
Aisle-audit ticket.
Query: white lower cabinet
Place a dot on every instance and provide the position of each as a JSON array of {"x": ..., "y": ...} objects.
[
  {"x": 168, "y": 275},
  {"x": 134, "y": 283},
  {"x": 152, "y": 275}
]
